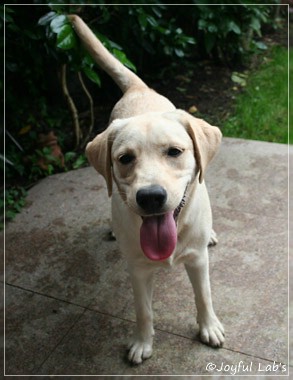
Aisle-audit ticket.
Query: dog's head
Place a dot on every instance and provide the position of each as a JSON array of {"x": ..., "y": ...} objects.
[{"x": 153, "y": 158}]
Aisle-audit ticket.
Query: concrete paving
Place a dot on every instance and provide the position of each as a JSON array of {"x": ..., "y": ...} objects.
[{"x": 68, "y": 301}]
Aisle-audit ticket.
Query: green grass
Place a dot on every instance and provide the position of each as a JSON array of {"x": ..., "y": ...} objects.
[{"x": 261, "y": 110}]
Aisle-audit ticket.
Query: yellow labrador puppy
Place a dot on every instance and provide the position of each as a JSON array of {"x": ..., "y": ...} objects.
[{"x": 153, "y": 158}]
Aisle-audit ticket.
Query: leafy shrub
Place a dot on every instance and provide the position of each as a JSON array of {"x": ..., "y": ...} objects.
[
  {"x": 149, "y": 33},
  {"x": 229, "y": 32},
  {"x": 14, "y": 202},
  {"x": 42, "y": 50}
]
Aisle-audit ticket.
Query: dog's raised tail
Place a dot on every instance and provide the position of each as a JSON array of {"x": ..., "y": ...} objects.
[{"x": 121, "y": 75}]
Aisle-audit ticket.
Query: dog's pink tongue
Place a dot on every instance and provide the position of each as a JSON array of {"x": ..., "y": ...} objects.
[{"x": 158, "y": 236}]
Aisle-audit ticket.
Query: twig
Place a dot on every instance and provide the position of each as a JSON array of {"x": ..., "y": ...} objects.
[
  {"x": 92, "y": 120},
  {"x": 71, "y": 105},
  {"x": 13, "y": 139}
]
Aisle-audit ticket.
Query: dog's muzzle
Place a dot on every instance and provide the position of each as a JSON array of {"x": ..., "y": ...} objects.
[{"x": 158, "y": 232}]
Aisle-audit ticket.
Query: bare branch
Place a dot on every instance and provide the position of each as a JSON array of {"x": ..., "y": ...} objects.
[
  {"x": 92, "y": 120},
  {"x": 71, "y": 105}
]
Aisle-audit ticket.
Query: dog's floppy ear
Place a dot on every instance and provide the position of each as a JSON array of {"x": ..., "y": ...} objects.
[
  {"x": 98, "y": 153},
  {"x": 206, "y": 139}
]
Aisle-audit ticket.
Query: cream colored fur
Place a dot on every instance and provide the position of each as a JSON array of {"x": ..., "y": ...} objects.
[{"x": 146, "y": 125}]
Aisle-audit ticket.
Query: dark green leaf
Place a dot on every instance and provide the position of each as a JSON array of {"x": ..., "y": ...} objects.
[
  {"x": 179, "y": 52},
  {"x": 233, "y": 27},
  {"x": 190, "y": 40},
  {"x": 92, "y": 75},
  {"x": 81, "y": 160},
  {"x": 261, "y": 45},
  {"x": 157, "y": 12},
  {"x": 107, "y": 42},
  {"x": 120, "y": 55},
  {"x": 202, "y": 24},
  {"x": 66, "y": 38},
  {"x": 113, "y": 45},
  {"x": 255, "y": 24},
  {"x": 212, "y": 28},
  {"x": 69, "y": 156},
  {"x": 152, "y": 21},
  {"x": 167, "y": 50},
  {"x": 88, "y": 61}
]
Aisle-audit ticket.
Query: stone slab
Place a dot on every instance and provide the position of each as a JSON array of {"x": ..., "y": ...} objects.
[{"x": 59, "y": 256}]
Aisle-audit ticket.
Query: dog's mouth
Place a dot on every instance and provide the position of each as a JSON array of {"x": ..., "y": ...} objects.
[{"x": 158, "y": 233}]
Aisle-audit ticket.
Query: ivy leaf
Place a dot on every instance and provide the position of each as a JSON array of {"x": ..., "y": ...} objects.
[
  {"x": 123, "y": 59},
  {"x": 47, "y": 18},
  {"x": 152, "y": 21},
  {"x": 189, "y": 40},
  {"x": 58, "y": 23},
  {"x": 156, "y": 11},
  {"x": 88, "y": 60},
  {"x": 261, "y": 45},
  {"x": 66, "y": 38},
  {"x": 255, "y": 25},
  {"x": 212, "y": 28},
  {"x": 234, "y": 27},
  {"x": 80, "y": 162},
  {"x": 107, "y": 43},
  {"x": 92, "y": 75},
  {"x": 179, "y": 52},
  {"x": 68, "y": 156},
  {"x": 202, "y": 24}
]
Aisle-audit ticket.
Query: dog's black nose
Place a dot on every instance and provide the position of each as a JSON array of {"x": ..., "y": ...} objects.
[{"x": 151, "y": 198}]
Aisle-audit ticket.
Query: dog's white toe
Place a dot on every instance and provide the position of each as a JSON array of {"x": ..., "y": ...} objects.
[
  {"x": 212, "y": 333},
  {"x": 213, "y": 239},
  {"x": 138, "y": 351}
]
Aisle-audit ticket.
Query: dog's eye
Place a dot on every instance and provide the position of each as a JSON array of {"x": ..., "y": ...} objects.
[
  {"x": 174, "y": 152},
  {"x": 126, "y": 159}
]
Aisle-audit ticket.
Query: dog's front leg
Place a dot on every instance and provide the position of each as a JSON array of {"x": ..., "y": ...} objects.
[
  {"x": 140, "y": 347},
  {"x": 211, "y": 329}
]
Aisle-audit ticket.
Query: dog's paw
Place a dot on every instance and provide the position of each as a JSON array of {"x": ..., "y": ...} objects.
[
  {"x": 213, "y": 239},
  {"x": 212, "y": 333},
  {"x": 139, "y": 351}
]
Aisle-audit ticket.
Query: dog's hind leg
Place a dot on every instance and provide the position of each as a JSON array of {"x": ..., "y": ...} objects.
[{"x": 140, "y": 347}]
